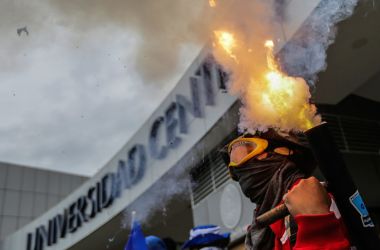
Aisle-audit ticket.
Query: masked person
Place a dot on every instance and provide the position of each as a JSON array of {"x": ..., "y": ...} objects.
[{"x": 272, "y": 168}]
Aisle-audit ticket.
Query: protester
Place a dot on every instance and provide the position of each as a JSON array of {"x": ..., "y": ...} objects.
[
  {"x": 207, "y": 237},
  {"x": 273, "y": 168}
]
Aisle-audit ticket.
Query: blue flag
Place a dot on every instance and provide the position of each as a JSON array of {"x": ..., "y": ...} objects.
[{"x": 136, "y": 239}]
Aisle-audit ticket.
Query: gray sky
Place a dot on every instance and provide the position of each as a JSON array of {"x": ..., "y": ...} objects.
[{"x": 70, "y": 98}]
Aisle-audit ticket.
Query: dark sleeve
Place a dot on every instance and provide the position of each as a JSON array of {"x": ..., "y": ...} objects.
[{"x": 317, "y": 232}]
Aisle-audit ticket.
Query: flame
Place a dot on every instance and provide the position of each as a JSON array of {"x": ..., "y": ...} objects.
[
  {"x": 227, "y": 41},
  {"x": 270, "y": 97},
  {"x": 269, "y": 44},
  {"x": 212, "y": 3},
  {"x": 279, "y": 93}
]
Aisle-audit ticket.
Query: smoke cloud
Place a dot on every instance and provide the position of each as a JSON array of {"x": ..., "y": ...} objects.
[
  {"x": 161, "y": 29},
  {"x": 275, "y": 91},
  {"x": 164, "y": 30},
  {"x": 167, "y": 29},
  {"x": 269, "y": 96},
  {"x": 305, "y": 55},
  {"x": 175, "y": 185}
]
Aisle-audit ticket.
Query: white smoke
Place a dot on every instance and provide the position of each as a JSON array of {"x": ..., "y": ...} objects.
[
  {"x": 174, "y": 185},
  {"x": 273, "y": 97},
  {"x": 164, "y": 28},
  {"x": 305, "y": 55}
]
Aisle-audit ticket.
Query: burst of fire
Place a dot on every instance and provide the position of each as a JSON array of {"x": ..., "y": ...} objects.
[
  {"x": 271, "y": 98},
  {"x": 280, "y": 90},
  {"x": 227, "y": 41},
  {"x": 212, "y": 3}
]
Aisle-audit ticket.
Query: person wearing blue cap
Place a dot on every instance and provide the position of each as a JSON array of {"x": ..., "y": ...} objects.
[
  {"x": 207, "y": 237},
  {"x": 155, "y": 243}
]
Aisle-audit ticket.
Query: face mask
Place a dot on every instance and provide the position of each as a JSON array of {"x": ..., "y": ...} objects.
[
  {"x": 265, "y": 182},
  {"x": 255, "y": 176}
]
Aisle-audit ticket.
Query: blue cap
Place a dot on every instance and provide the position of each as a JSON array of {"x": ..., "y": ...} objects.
[
  {"x": 206, "y": 236},
  {"x": 155, "y": 243}
]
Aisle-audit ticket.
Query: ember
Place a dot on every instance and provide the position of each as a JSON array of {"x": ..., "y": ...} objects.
[{"x": 227, "y": 41}]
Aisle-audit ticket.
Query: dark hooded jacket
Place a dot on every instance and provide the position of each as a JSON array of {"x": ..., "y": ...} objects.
[{"x": 265, "y": 181}]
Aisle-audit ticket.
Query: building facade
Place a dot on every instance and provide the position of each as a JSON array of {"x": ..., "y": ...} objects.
[{"x": 26, "y": 193}]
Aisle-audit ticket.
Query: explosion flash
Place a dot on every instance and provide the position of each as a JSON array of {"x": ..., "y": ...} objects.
[
  {"x": 281, "y": 91},
  {"x": 212, "y": 3},
  {"x": 270, "y": 97}
]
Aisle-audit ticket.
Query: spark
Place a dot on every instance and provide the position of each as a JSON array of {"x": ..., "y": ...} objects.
[{"x": 227, "y": 41}]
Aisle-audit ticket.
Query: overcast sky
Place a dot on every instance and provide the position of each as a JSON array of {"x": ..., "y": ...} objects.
[{"x": 70, "y": 100}]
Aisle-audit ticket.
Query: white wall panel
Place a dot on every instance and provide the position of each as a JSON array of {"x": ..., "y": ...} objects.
[
  {"x": 1, "y": 236},
  {"x": 27, "y": 204},
  {"x": 40, "y": 203},
  {"x": 52, "y": 199},
  {"x": 75, "y": 182},
  {"x": 41, "y": 181},
  {"x": 1, "y": 201},
  {"x": 22, "y": 221},
  {"x": 53, "y": 183},
  {"x": 28, "y": 179},
  {"x": 11, "y": 203},
  {"x": 64, "y": 185},
  {"x": 8, "y": 226},
  {"x": 3, "y": 175},
  {"x": 14, "y": 178},
  {"x": 18, "y": 187}
]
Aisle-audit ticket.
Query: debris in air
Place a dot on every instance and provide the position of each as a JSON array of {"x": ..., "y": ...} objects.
[{"x": 24, "y": 29}]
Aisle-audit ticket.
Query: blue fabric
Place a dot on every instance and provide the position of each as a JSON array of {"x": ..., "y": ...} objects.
[
  {"x": 155, "y": 243},
  {"x": 204, "y": 227},
  {"x": 204, "y": 240},
  {"x": 136, "y": 239}
]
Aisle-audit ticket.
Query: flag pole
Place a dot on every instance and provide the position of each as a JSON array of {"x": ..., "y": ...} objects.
[{"x": 133, "y": 218}]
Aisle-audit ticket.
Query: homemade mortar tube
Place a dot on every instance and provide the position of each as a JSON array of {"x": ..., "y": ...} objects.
[
  {"x": 275, "y": 214},
  {"x": 271, "y": 216},
  {"x": 361, "y": 228}
]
